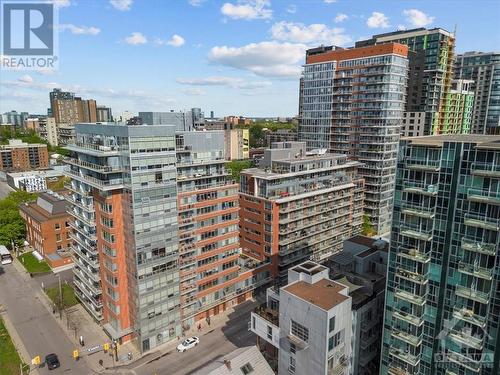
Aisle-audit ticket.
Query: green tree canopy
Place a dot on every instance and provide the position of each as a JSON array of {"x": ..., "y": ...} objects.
[{"x": 12, "y": 227}]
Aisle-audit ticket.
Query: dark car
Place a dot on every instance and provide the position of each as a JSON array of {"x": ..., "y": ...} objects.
[{"x": 52, "y": 361}]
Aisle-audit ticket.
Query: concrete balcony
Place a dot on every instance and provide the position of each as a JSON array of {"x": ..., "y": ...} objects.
[
  {"x": 341, "y": 368},
  {"x": 481, "y": 221},
  {"x": 421, "y": 188},
  {"x": 407, "y": 337},
  {"x": 263, "y": 318},
  {"x": 483, "y": 196},
  {"x": 410, "y": 297},
  {"x": 485, "y": 169},
  {"x": 466, "y": 338},
  {"x": 84, "y": 192},
  {"x": 417, "y": 232},
  {"x": 415, "y": 277},
  {"x": 413, "y": 209},
  {"x": 473, "y": 270},
  {"x": 475, "y": 295},
  {"x": 479, "y": 247},
  {"x": 409, "y": 317},
  {"x": 421, "y": 164},
  {"x": 470, "y": 317},
  {"x": 402, "y": 355},
  {"x": 86, "y": 233},
  {"x": 89, "y": 305},
  {"x": 91, "y": 260},
  {"x": 414, "y": 254}
]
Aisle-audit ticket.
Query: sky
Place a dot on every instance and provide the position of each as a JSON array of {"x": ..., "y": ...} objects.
[{"x": 240, "y": 57}]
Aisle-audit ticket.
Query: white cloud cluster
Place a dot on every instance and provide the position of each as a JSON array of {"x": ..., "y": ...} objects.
[
  {"x": 267, "y": 59},
  {"x": 196, "y": 3},
  {"x": 248, "y": 9},
  {"x": 232, "y": 82},
  {"x": 122, "y": 5},
  {"x": 79, "y": 30},
  {"x": 292, "y": 9},
  {"x": 193, "y": 91},
  {"x": 136, "y": 38},
  {"x": 377, "y": 20},
  {"x": 176, "y": 41},
  {"x": 417, "y": 18},
  {"x": 315, "y": 33},
  {"x": 340, "y": 17},
  {"x": 329, "y": 1}
]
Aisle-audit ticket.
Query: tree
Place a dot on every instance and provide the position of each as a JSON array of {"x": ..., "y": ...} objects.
[
  {"x": 236, "y": 166},
  {"x": 367, "y": 229},
  {"x": 12, "y": 227}
]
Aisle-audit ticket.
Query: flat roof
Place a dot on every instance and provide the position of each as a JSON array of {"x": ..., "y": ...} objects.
[
  {"x": 324, "y": 294},
  {"x": 485, "y": 141}
]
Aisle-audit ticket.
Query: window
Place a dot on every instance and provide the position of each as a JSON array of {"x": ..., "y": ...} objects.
[
  {"x": 332, "y": 324},
  {"x": 57, "y": 226},
  {"x": 291, "y": 368},
  {"x": 246, "y": 369},
  {"x": 335, "y": 340},
  {"x": 269, "y": 332},
  {"x": 253, "y": 322},
  {"x": 293, "y": 348},
  {"x": 106, "y": 208},
  {"x": 299, "y": 330},
  {"x": 107, "y": 222},
  {"x": 108, "y": 237},
  {"x": 58, "y": 237}
]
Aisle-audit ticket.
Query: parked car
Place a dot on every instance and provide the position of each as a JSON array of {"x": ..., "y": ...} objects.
[
  {"x": 188, "y": 344},
  {"x": 52, "y": 361}
]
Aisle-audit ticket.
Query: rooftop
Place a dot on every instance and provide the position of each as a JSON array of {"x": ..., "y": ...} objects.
[
  {"x": 485, "y": 141},
  {"x": 48, "y": 206},
  {"x": 324, "y": 294}
]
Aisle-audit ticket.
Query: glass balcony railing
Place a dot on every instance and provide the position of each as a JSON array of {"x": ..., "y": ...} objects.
[
  {"x": 404, "y": 356},
  {"x": 409, "y": 297},
  {"x": 422, "y": 164},
  {"x": 407, "y": 337},
  {"x": 482, "y": 221},
  {"x": 480, "y": 272},
  {"x": 414, "y": 209},
  {"x": 412, "y": 276},
  {"x": 94, "y": 167},
  {"x": 475, "y": 295},
  {"x": 483, "y": 196},
  {"x": 397, "y": 371},
  {"x": 479, "y": 247},
  {"x": 416, "y": 231},
  {"x": 464, "y": 361},
  {"x": 98, "y": 183},
  {"x": 414, "y": 254},
  {"x": 486, "y": 169},
  {"x": 421, "y": 188},
  {"x": 466, "y": 338},
  {"x": 470, "y": 317},
  {"x": 409, "y": 317}
]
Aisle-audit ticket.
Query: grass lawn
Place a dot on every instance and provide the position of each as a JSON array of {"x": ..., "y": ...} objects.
[
  {"x": 32, "y": 264},
  {"x": 69, "y": 298},
  {"x": 9, "y": 359}
]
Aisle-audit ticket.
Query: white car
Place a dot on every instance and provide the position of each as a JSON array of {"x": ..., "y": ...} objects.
[{"x": 188, "y": 344}]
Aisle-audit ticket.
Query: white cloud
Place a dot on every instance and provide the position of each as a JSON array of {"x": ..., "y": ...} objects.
[
  {"x": 417, "y": 18},
  {"x": 401, "y": 27},
  {"x": 136, "y": 38},
  {"x": 292, "y": 9},
  {"x": 193, "y": 91},
  {"x": 377, "y": 20},
  {"x": 61, "y": 3},
  {"x": 329, "y": 1},
  {"x": 267, "y": 59},
  {"x": 232, "y": 82},
  {"x": 122, "y": 5},
  {"x": 26, "y": 79},
  {"x": 79, "y": 30},
  {"x": 340, "y": 17},
  {"x": 196, "y": 3},
  {"x": 315, "y": 33},
  {"x": 248, "y": 9},
  {"x": 176, "y": 41}
]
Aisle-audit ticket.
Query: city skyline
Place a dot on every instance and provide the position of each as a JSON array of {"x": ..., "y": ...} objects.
[{"x": 218, "y": 55}]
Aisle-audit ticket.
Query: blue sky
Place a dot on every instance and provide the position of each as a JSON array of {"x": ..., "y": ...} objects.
[{"x": 232, "y": 57}]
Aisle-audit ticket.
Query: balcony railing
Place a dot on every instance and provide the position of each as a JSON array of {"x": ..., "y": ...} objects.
[
  {"x": 95, "y": 167},
  {"x": 397, "y": 370},
  {"x": 486, "y": 169},
  {"x": 481, "y": 221},
  {"x": 466, "y": 338},
  {"x": 78, "y": 146},
  {"x": 116, "y": 183},
  {"x": 475, "y": 295},
  {"x": 407, "y": 337},
  {"x": 480, "y": 272},
  {"x": 404, "y": 356},
  {"x": 483, "y": 196},
  {"x": 409, "y": 318},
  {"x": 479, "y": 247},
  {"x": 412, "y": 276},
  {"x": 469, "y": 316},
  {"x": 414, "y": 254},
  {"x": 417, "y": 232},
  {"x": 421, "y": 188},
  {"x": 268, "y": 314},
  {"x": 422, "y": 164},
  {"x": 414, "y": 209},
  {"x": 409, "y": 297},
  {"x": 462, "y": 360}
]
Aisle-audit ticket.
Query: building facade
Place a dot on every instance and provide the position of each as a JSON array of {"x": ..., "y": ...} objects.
[
  {"x": 459, "y": 107},
  {"x": 103, "y": 114},
  {"x": 431, "y": 54},
  {"x": 305, "y": 326},
  {"x": 18, "y": 156},
  {"x": 413, "y": 124},
  {"x": 125, "y": 209},
  {"x": 353, "y": 103},
  {"x": 281, "y": 135},
  {"x": 484, "y": 69},
  {"x": 237, "y": 144},
  {"x": 47, "y": 228},
  {"x": 183, "y": 121},
  {"x": 68, "y": 109},
  {"x": 47, "y": 130},
  {"x": 441, "y": 313},
  {"x": 298, "y": 206}
]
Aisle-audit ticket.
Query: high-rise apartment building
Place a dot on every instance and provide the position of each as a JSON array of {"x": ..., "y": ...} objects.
[
  {"x": 15, "y": 118},
  {"x": 305, "y": 326},
  {"x": 103, "y": 114},
  {"x": 214, "y": 276},
  {"x": 298, "y": 206},
  {"x": 484, "y": 69},
  {"x": 459, "y": 106},
  {"x": 442, "y": 305},
  {"x": 125, "y": 230},
  {"x": 352, "y": 102},
  {"x": 18, "y": 156},
  {"x": 237, "y": 144},
  {"x": 68, "y": 109},
  {"x": 430, "y": 55}
]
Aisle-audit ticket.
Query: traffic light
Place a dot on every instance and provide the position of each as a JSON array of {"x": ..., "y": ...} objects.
[
  {"x": 75, "y": 354},
  {"x": 36, "y": 361},
  {"x": 106, "y": 346}
]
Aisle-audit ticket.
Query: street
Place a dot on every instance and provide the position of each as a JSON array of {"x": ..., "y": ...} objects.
[{"x": 38, "y": 329}]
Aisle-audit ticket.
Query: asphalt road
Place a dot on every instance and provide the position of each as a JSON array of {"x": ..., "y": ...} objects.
[
  {"x": 213, "y": 346},
  {"x": 4, "y": 189},
  {"x": 38, "y": 329}
]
